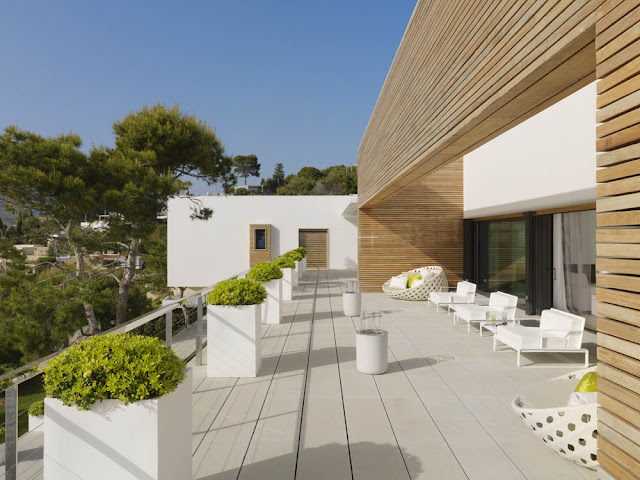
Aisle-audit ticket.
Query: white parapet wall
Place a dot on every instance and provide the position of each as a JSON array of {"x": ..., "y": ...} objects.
[
  {"x": 547, "y": 161},
  {"x": 203, "y": 252}
]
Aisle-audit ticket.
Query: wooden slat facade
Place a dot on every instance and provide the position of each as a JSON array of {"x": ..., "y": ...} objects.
[
  {"x": 618, "y": 236},
  {"x": 465, "y": 72},
  {"x": 420, "y": 226},
  {"x": 315, "y": 241}
]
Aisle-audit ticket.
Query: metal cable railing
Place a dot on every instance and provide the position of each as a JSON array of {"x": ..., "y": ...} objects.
[{"x": 191, "y": 310}]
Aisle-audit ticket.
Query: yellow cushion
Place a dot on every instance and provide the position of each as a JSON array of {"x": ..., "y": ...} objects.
[
  {"x": 589, "y": 383},
  {"x": 413, "y": 277}
]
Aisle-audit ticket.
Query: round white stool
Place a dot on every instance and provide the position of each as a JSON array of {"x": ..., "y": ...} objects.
[
  {"x": 372, "y": 351},
  {"x": 351, "y": 302}
]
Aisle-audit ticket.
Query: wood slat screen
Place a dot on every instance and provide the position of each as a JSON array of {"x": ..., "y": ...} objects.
[
  {"x": 618, "y": 236},
  {"x": 420, "y": 226},
  {"x": 465, "y": 72},
  {"x": 315, "y": 241}
]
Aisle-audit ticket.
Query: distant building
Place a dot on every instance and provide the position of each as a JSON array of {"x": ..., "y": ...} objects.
[{"x": 257, "y": 189}]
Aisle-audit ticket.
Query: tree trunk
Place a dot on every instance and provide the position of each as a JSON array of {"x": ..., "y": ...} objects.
[
  {"x": 92, "y": 327},
  {"x": 127, "y": 280}
]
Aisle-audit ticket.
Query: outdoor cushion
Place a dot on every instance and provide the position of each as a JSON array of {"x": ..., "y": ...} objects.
[
  {"x": 398, "y": 282},
  {"x": 588, "y": 383},
  {"x": 582, "y": 398},
  {"x": 417, "y": 282},
  {"x": 519, "y": 337},
  {"x": 412, "y": 278}
]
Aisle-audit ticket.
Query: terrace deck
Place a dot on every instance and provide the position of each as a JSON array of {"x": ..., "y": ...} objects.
[{"x": 441, "y": 411}]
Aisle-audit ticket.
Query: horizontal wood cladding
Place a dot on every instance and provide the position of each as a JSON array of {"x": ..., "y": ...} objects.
[
  {"x": 417, "y": 227},
  {"x": 467, "y": 71},
  {"x": 618, "y": 236}
]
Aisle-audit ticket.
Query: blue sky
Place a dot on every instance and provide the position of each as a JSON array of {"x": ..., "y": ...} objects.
[{"x": 291, "y": 81}]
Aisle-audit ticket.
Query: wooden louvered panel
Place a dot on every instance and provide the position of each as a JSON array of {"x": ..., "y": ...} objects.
[
  {"x": 420, "y": 226},
  {"x": 315, "y": 241},
  {"x": 618, "y": 236},
  {"x": 465, "y": 72}
]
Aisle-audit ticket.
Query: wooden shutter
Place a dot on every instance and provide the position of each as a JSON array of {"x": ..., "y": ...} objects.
[{"x": 315, "y": 241}]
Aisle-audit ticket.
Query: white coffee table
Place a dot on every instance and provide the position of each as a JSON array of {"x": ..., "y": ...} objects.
[{"x": 475, "y": 314}]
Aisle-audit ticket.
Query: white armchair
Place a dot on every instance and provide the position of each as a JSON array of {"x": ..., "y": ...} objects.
[
  {"x": 465, "y": 293},
  {"x": 503, "y": 305},
  {"x": 559, "y": 332}
]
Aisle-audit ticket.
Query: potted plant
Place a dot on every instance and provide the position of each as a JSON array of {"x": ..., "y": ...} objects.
[
  {"x": 288, "y": 266},
  {"x": 36, "y": 414},
  {"x": 303, "y": 251},
  {"x": 117, "y": 406},
  {"x": 234, "y": 340},
  {"x": 297, "y": 258},
  {"x": 270, "y": 276}
]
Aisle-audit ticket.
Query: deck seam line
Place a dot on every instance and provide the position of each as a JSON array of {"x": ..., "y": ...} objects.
[
  {"x": 275, "y": 370},
  {"x": 306, "y": 372},
  {"x": 223, "y": 403},
  {"x": 459, "y": 399},
  {"x": 344, "y": 410},
  {"x": 428, "y": 412}
]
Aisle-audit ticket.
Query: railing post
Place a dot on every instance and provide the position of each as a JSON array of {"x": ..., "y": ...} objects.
[
  {"x": 11, "y": 433},
  {"x": 199, "y": 333},
  {"x": 168, "y": 334}
]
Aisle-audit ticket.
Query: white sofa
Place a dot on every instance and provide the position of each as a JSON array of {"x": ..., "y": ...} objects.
[
  {"x": 559, "y": 332},
  {"x": 503, "y": 305},
  {"x": 465, "y": 293}
]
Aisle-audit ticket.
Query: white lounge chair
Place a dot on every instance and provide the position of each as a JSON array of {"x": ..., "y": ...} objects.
[
  {"x": 465, "y": 293},
  {"x": 433, "y": 279},
  {"x": 559, "y": 332},
  {"x": 502, "y": 305}
]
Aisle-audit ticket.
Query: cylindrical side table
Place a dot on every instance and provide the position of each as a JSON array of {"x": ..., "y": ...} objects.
[
  {"x": 372, "y": 351},
  {"x": 351, "y": 302}
]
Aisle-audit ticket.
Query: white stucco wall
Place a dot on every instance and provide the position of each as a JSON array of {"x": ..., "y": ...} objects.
[
  {"x": 545, "y": 162},
  {"x": 203, "y": 252}
]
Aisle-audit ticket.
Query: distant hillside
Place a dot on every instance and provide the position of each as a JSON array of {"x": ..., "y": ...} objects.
[{"x": 6, "y": 216}]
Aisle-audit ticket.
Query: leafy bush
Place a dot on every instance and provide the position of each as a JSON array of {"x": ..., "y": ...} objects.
[
  {"x": 302, "y": 251},
  {"x": 264, "y": 272},
  {"x": 122, "y": 367},
  {"x": 284, "y": 262},
  {"x": 241, "y": 291},
  {"x": 295, "y": 256},
  {"x": 37, "y": 408}
]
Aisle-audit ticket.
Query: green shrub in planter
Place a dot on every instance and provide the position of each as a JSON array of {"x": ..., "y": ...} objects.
[
  {"x": 124, "y": 367},
  {"x": 284, "y": 262},
  {"x": 295, "y": 256},
  {"x": 241, "y": 291},
  {"x": 302, "y": 251},
  {"x": 36, "y": 409},
  {"x": 264, "y": 272}
]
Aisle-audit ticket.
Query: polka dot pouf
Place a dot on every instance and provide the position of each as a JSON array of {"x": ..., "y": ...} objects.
[
  {"x": 437, "y": 283},
  {"x": 570, "y": 431}
]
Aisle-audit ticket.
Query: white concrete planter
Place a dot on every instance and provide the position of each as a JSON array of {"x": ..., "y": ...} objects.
[
  {"x": 272, "y": 307},
  {"x": 149, "y": 439},
  {"x": 351, "y": 303},
  {"x": 304, "y": 265},
  {"x": 287, "y": 283},
  {"x": 35, "y": 422},
  {"x": 234, "y": 340},
  {"x": 372, "y": 352},
  {"x": 296, "y": 275}
]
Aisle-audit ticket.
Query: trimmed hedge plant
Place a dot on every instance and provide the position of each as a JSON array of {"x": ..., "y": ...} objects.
[
  {"x": 241, "y": 291},
  {"x": 36, "y": 409},
  {"x": 123, "y": 367},
  {"x": 284, "y": 262},
  {"x": 293, "y": 255},
  {"x": 264, "y": 272},
  {"x": 302, "y": 251}
]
